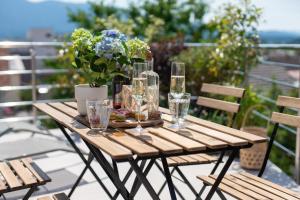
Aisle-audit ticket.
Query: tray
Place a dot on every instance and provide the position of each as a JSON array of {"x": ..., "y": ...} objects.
[{"x": 132, "y": 123}]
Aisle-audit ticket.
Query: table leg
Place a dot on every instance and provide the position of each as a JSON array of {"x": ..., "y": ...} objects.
[
  {"x": 109, "y": 171},
  {"x": 165, "y": 183},
  {"x": 90, "y": 159},
  {"x": 123, "y": 182},
  {"x": 143, "y": 179},
  {"x": 222, "y": 174},
  {"x": 168, "y": 178},
  {"x": 186, "y": 181},
  {"x": 86, "y": 162},
  {"x": 135, "y": 185},
  {"x": 213, "y": 171},
  {"x": 29, "y": 193}
]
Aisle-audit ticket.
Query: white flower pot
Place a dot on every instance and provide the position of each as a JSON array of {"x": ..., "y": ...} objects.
[{"x": 84, "y": 92}]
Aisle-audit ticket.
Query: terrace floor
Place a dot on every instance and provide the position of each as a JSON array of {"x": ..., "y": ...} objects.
[{"x": 64, "y": 168}]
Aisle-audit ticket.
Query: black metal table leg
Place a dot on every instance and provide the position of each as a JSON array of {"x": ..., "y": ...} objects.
[
  {"x": 124, "y": 182},
  {"x": 115, "y": 167},
  {"x": 218, "y": 162},
  {"x": 109, "y": 171},
  {"x": 222, "y": 174},
  {"x": 186, "y": 180},
  {"x": 90, "y": 159},
  {"x": 87, "y": 164},
  {"x": 135, "y": 184},
  {"x": 165, "y": 183},
  {"x": 143, "y": 179},
  {"x": 168, "y": 178},
  {"x": 29, "y": 193},
  {"x": 213, "y": 171}
]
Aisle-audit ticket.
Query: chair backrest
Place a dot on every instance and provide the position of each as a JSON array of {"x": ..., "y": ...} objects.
[
  {"x": 281, "y": 118},
  {"x": 222, "y": 105}
]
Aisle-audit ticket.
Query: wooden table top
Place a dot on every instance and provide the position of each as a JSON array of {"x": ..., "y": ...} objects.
[{"x": 198, "y": 136}]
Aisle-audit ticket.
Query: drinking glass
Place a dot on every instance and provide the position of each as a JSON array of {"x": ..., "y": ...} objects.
[
  {"x": 177, "y": 86},
  {"x": 139, "y": 87},
  {"x": 180, "y": 106},
  {"x": 98, "y": 113}
]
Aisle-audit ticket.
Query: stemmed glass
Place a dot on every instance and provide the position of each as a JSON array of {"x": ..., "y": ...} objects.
[
  {"x": 177, "y": 86},
  {"x": 139, "y": 87}
]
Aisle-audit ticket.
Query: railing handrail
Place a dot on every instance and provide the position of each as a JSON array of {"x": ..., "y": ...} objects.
[{"x": 14, "y": 44}]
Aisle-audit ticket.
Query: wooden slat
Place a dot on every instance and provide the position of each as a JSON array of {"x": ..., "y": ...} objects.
[
  {"x": 115, "y": 150},
  {"x": 286, "y": 119},
  {"x": 137, "y": 146},
  {"x": 26, "y": 176},
  {"x": 163, "y": 145},
  {"x": 71, "y": 104},
  {"x": 45, "y": 198},
  {"x": 290, "y": 102},
  {"x": 189, "y": 159},
  {"x": 273, "y": 185},
  {"x": 251, "y": 187},
  {"x": 218, "y": 104},
  {"x": 234, "y": 185},
  {"x": 9, "y": 176},
  {"x": 179, "y": 160},
  {"x": 231, "y": 131},
  {"x": 229, "y": 139},
  {"x": 264, "y": 187},
  {"x": 65, "y": 109},
  {"x": 199, "y": 158},
  {"x": 27, "y": 162},
  {"x": 208, "y": 157},
  {"x": 210, "y": 142},
  {"x": 222, "y": 90},
  {"x": 2, "y": 185},
  {"x": 225, "y": 188},
  {"x": 171, "y": 162},
  {"x": 186, "y": 143}
]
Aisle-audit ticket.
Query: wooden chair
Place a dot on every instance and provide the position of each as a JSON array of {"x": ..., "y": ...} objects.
[
  {"x": 60, "y": 196},
  {"x": 21, "y": 174},
  {"x": 247, "y": 186},
  {"x": 215, "y": 104}
]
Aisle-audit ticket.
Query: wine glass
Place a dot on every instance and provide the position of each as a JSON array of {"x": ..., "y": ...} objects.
[
  {"x": 139, "y": 87},
  {"x": 177, "y": 86}
]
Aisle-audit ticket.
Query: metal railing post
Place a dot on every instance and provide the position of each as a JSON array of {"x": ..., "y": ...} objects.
[
  {"x": 33, "y": 83},
  {"x": 297, "y": 157}
]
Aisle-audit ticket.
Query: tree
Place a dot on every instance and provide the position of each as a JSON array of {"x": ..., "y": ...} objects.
[{"x": 152, "y": 20}]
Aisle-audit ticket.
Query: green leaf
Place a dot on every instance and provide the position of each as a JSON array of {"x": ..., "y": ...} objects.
[
  {"x": 100, "y": 61},
  {"x": 99, "y": 68}
]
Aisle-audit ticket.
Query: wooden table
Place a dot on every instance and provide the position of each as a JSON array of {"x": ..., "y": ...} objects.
[{"x": 200, "y": 136}]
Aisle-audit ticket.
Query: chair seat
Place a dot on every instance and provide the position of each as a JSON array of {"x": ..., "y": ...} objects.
[
  {"x": 246, "y": 186},
  {"x": 190, "y": 160},
  {"x": 20, "y": 174},
  {"x": 60, "y": 196}
]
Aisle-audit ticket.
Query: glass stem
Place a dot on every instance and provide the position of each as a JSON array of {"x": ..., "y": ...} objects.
[
  {"x": 139, "y": 115},
  {"x": 177, "y": 112}
]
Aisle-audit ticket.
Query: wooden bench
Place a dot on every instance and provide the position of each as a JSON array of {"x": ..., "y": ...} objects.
[
  {"x": 21, "y": 174},
  {"x": 60, "y": 196},
  {"x": 221, "y": 105},
  {"x": 246, "y": 186}
]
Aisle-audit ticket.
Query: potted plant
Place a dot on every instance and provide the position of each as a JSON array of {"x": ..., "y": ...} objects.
[{"x": 99, "y": 58}]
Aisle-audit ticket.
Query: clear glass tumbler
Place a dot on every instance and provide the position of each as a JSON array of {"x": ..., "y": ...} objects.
[
  {"x": 179, "y": 106},
  {"x": 98, "y": 113}
]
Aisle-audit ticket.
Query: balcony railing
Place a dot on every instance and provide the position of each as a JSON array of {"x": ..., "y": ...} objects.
[{"x": 35, "y": 70}]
